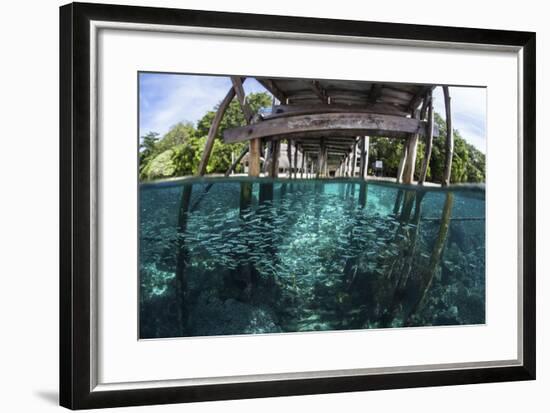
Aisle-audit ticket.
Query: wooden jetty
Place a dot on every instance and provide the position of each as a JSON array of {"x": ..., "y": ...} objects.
[{"x": 327, "y": 125}]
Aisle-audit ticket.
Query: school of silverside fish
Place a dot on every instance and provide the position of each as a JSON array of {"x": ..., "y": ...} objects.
[{"x": 312, "y": 256}]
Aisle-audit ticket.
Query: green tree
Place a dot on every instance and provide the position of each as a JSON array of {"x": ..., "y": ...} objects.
[
  {"x": 468, "y": 162},
  {"x": 161, "y": 166},
  {"x": 179, "y": 151},
  {"x": 178, "y": 134},
  {"x": 220, "y": 158},
  {"x": 233, "y": 116},
  {"x": 147, "y": 148}
]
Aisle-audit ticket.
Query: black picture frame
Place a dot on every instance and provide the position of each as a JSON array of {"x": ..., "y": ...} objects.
[{"x": 75, "y": 219}]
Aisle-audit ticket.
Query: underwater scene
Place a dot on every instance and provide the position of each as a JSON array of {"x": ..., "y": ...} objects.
[{"x": 253, "y": 256}]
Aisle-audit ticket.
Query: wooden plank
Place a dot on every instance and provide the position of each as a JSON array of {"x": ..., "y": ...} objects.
[
  {"x": 273, "y": 89},
  {"x": 341, "y": 134},
  {"x": 354, "y": 123},
  {"x": 375, "y": 92},
  {"x": 313, "y": 145},
  {"x": 333, "y": 149},
  {"x": 319, "y": 91},
  {"x": 280, "y": 111},
  {"x": 396, "y": 95},
  {"x": 449, "y": 140}
]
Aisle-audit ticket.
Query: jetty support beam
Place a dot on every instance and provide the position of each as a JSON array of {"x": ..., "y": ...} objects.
[
  {"x": 214, "y": 130},
  {"x": 273, "y": 167},
  {"x": 331, "y": 124},
  {"x": 255, "y": 144},
  {"x": 429, "y": 140},
  {"x": 410, "y": 160},
  {"x": 366, "y": 140},
  {"x": 401, "y": 166},
  {"x": 449, "y": 140}
]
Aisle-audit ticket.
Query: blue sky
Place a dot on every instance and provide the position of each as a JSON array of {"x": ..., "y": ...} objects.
[{"x": 166, "y": 99}]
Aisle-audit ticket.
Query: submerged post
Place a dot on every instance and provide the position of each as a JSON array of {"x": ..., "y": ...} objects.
[
  {"x": 449, "y": 141},
  {"x": 435, "y": 257},
  {"x": 182, "y": 258}
]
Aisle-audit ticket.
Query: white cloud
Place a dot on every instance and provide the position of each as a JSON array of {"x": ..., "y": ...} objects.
[
  {"x": 166, "y": 99},
  {"x": 468, "y": 110}
]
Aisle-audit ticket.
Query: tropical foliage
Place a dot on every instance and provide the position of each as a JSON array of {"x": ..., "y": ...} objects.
[
  {"x": 179, "y": 151},
  {"x": 468, "y": 162}
]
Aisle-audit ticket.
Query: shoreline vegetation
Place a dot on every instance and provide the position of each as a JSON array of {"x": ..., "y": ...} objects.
[{"x": 177, "y": 153}]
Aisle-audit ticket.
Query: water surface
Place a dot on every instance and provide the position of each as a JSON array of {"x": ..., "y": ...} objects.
[{"x": 242, "y": 256}]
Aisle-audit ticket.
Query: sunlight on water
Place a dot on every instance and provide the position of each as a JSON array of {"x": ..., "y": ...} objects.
[{"x": 247, "y": 256}]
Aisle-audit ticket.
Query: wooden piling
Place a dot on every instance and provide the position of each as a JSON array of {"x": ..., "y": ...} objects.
[
  {"x": 410, "y": 160},
  {"x": 246, "y": 196},
  {"x": 254, "y": 158},
  {"x": 354, "y": 161},
  {"x": 449, "y": 140},
  {"x": 289, "y": 156},
  {"x": 435, "y": 258},
  {"x": 212, "y": 132},
  {"x": 399, "y": 176},
  {"x": 302, "y": 166},
  {"x": 181, "y": 281},
  {"x": 429, "y": 141},
  {"x": 273, "y": 169},
  {"x": 295, "y": 160}
]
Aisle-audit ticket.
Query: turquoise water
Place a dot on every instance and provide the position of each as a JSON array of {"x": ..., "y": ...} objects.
[{"x": 241, "y": 256}]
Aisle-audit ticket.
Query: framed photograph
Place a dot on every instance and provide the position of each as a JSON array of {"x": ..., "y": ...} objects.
[{"x": 257, "y": 206}]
